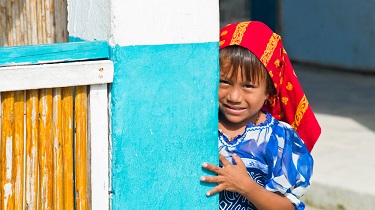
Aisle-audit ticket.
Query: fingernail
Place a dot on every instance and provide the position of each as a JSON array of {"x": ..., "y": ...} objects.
[
  {"x": 203, "y": 178},
  {"x": 208, "y": 194},
  {"x": 204, "y": 164}
]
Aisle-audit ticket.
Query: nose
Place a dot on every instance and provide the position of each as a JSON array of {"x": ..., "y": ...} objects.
[{"x": 234, "y": 95}]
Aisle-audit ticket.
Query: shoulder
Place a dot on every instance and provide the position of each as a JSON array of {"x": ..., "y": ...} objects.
[
  {"x": 284, "y": 135},
  {"x": 274, "y": 123}
]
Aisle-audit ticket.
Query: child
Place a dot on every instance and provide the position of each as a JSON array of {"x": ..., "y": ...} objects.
[{"x": 266, "y": 126}]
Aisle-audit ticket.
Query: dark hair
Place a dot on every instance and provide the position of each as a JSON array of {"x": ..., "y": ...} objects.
[{"x": 236, "y": 58}]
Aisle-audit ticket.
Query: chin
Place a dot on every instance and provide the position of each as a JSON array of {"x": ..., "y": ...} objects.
[{"x": 234, "y": 120}]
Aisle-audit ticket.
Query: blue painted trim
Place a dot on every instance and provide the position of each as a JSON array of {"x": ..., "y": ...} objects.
[
  {"x": 75, "y": 39},
  {"x": 51, "y": 53}
]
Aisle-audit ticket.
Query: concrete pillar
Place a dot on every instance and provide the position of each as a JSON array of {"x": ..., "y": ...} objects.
[{"x": 163, "y": 98}]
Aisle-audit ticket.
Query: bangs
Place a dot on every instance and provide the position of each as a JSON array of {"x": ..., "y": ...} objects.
[{"x": 236, "y": 58}]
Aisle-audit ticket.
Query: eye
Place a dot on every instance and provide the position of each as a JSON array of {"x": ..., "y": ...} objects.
[
  {"x": 224, "y": 82},
  {"x": 248, "y": 86}
]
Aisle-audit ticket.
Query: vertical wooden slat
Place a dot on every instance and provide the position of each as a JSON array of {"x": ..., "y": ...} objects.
[
  {"x": 39, "y": 21},
  {"x": 7, "y": 151},
  {"x": 22, "y": 15},
  {"x": 9, "y": 19},
  {"x": 1, "y": 153},
  {"x": 19, "y": 107},
  {"x": 61, "y": 20},
  {"x": 81, "y": 147},
  {"x": 1, "y": 160},
  {"x": 3, "y": 23},
  {"x": 67, "y": 135},
  {"x": 45, "y": 149},
  {"x": 49, "y": 11},
  {"x": 12, "y": 27},
  {"x": 32, "y": 26},
  {"x": 16, "y": 25},
  {"x": 32, "y": 178},
  {"x": 57, "y": 151}
]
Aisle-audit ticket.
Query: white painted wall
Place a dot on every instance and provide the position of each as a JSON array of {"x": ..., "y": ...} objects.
[
  {"x": 89, "y": 19},
  {"x": 164, "y": 22},
  {"x": 146, "y": 22}
]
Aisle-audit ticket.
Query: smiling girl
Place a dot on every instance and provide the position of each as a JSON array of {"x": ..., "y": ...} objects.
[{"x": 266, "y": 126}]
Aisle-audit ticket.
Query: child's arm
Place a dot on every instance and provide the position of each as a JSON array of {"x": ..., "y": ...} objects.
[{"x": 235, "y": 178}]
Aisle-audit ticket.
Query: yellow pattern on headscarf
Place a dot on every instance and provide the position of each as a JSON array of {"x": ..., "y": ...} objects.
[
  {"x": 270, "y": 73},
  {"x": 284, "y": 100},
  {"x": 289, "y": 86},
  {"x": 277, "y": 63},
  {"x": 301, "y": 109},
  {"x": 238, "y": 33},
  {"x": 268, "y": 52}
]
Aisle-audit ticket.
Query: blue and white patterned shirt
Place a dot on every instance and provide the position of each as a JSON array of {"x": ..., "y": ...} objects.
[{"x": 275, "y": 157}]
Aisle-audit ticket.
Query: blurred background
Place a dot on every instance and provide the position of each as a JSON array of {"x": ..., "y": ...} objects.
[{"x": 331, "y": 45}]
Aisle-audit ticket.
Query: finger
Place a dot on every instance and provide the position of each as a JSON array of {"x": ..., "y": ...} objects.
[
  {"x": 238, "y": 160},
  {"x": 211, "y": 179},
  {"x": 224, "y": 161},
  {"x": 211, "y": 167},
  {"x": 215, "y": 190}
]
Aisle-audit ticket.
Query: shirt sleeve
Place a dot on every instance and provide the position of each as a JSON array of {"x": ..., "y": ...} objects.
[{"x": 290, "y": 165}]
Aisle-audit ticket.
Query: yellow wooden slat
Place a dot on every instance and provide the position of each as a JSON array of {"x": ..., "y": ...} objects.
[
  {"x": 81, "y": 147},
  {"x": 7, "y": 151},
  {"x": 32, "y": 125},
  {"x": 67, "y": 136},
  {"x": 58, "y": 194},
  {"x": 1, "y": 160},
  {"x": 45, "y": 146},
  {"x": 19, "y": 106}
]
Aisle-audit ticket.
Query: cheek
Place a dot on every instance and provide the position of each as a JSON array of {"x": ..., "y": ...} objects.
[
  {"x": 222, "y": 92},
  {"x": 221, "y": 96},
  {"x": 256, "y": 98},
  {"x": 262, "y": 97}
]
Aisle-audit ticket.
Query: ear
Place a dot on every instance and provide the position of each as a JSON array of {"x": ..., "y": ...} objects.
[
  {"x": 267, "y": 96},
  {"x": 266, "y": 99}
]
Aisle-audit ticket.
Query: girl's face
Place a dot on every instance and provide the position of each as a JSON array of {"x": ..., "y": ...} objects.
[{"x": 240, "y": 99}]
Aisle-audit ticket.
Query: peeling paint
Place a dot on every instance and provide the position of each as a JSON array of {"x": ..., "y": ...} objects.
[
  {"x": 7, "y": 193},
  {"x": 32, "y": 179},
  {"x": 9, "y": 158},
  {"x": 19, "y": 183},
  {"x": 33, "y": 115}
]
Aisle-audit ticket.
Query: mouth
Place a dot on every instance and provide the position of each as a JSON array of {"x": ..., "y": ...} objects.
[{"x": 233, "y": 109}]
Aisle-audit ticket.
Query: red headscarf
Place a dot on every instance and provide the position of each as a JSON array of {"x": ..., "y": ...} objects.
[{"x": 289, "y": 104}]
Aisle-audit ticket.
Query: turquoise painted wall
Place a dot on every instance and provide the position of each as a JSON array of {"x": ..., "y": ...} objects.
[{"x": 164, "y": 125}]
